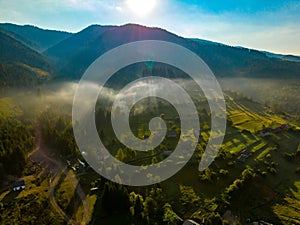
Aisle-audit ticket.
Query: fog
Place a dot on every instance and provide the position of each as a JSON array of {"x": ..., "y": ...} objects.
[
  {"x": 58, "y": 96},
  {"x": 281, "y": 95}
]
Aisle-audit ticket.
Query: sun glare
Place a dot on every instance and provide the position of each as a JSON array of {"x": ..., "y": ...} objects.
[{"x": 141, "y": 7}]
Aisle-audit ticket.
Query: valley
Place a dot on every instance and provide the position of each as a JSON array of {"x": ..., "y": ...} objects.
[{"x": 255, "y": 176}]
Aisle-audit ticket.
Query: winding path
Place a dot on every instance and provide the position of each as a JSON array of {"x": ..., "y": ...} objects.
[{"x": 55, "y": 167}]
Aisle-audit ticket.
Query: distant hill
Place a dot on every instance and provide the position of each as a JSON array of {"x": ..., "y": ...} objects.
[
  {"x": 291, "y": 58},
  {"x": 73, "y": 55},
  {"x": 36, "y": 38},
  {"x": 283, "y": 57},
  {"x": 20, "y": 65}
]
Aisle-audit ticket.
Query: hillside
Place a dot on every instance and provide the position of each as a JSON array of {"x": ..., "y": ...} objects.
[
  {"x": 75, "y": 54},
  {"x": 95, "y": 40},
  {"x": 36, "y": 38},
  {"x": 19, "y": 65}
]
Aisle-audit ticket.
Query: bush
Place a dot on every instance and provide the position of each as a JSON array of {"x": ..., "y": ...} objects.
[
  {"x": 289, "y": 156},
  {"x": 272, "y": 170},
  {"x": 223, "y": 172}
]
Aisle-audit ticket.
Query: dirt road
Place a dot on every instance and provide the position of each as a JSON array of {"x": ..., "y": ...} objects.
[{"x": 42, "y": 155}]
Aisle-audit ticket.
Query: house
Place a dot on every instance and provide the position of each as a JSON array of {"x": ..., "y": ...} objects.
[
  {"x": 265, "y": 132},
  {"x": 245, "y": 155},
  {"x": 171, "y": 134},
  {"x": 190, "y": 222},
  {"x": 19, "y": 185}
]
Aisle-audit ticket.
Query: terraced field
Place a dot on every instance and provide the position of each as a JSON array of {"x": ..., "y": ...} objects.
[{"x": 289, "y": 210}]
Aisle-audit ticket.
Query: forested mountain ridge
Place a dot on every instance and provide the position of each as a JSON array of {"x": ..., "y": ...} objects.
[
  {"x": 73, "y": 53},
  {"x": 224, "y": 60},
  {"x": 34, "y": 37},
  {"x": 20, "y": 65}
]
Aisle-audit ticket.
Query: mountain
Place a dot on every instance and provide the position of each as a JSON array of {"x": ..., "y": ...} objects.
[
  {"x": 227, "y": 60},
  {"x": 85, "y": 48},
  {"x": 76, "y": 42},
  {"x": 36, "y": 38},
  {"x": 20, "y": 65},
  {"x": 73, "y": 55},
  {"x": 292, "y": 58}
]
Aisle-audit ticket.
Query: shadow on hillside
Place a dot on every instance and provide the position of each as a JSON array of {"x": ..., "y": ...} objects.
[
  {"x": 257, "y": 200},
  {"x": 10, "y": 196},
  {"x": 74, "y": 204}
]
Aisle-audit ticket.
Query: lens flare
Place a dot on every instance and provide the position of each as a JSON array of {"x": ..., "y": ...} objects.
[{"x": 141, "y": 7}]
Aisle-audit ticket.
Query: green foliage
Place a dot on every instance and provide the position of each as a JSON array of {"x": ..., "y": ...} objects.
[
  {"x": 170, "y": 217},
  {"x": 58, "y": 133},
  {"x": 136, "y": 206},
  {"x": 32, "y": 209},
  {"x": 209, "y": 212},
  {"x": 16, "y": 140},
  {"x": 115, "y": 197},
  {"x": 213, "y": 218},
  {"x": 208, "y": 175},
  {"x": 223, "y": 172},
  {"x": 188, "y": 199},
  {"x": 150, "y": 210},
  {"x": 289, "y": 156},
  {"x": 232, "y": 191},
  {"x": 20, "y": 66}
]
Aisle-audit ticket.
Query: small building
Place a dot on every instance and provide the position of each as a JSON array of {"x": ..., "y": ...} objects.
[
  {"x": 265, "y": 132},
  {"x": 171, "y": 134},
  {"x": 19, "y": 185}
]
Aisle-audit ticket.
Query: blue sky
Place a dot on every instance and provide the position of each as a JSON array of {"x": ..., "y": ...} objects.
[{"x": 271, "y": 25}]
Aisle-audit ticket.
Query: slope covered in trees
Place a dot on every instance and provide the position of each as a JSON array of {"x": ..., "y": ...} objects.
[
  {"x": 36, "y": 38},
  {"x": 20, "y": 65}
]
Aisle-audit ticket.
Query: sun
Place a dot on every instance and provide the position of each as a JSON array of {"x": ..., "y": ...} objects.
[{"x": 141, "y": 8}]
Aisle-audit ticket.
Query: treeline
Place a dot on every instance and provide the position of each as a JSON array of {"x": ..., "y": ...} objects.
[
  {"x": 57, "y": 133},
  {"x": 31, "y": 209},
  {"x": 12, "y": 73},
  {"x": 16, "y": 140},
  {"x": 240, "y": 183},
  {"x": 149, "y": 207}
]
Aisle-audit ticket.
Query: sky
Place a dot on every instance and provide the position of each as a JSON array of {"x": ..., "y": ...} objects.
[{"x": 271, "y": 25}]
